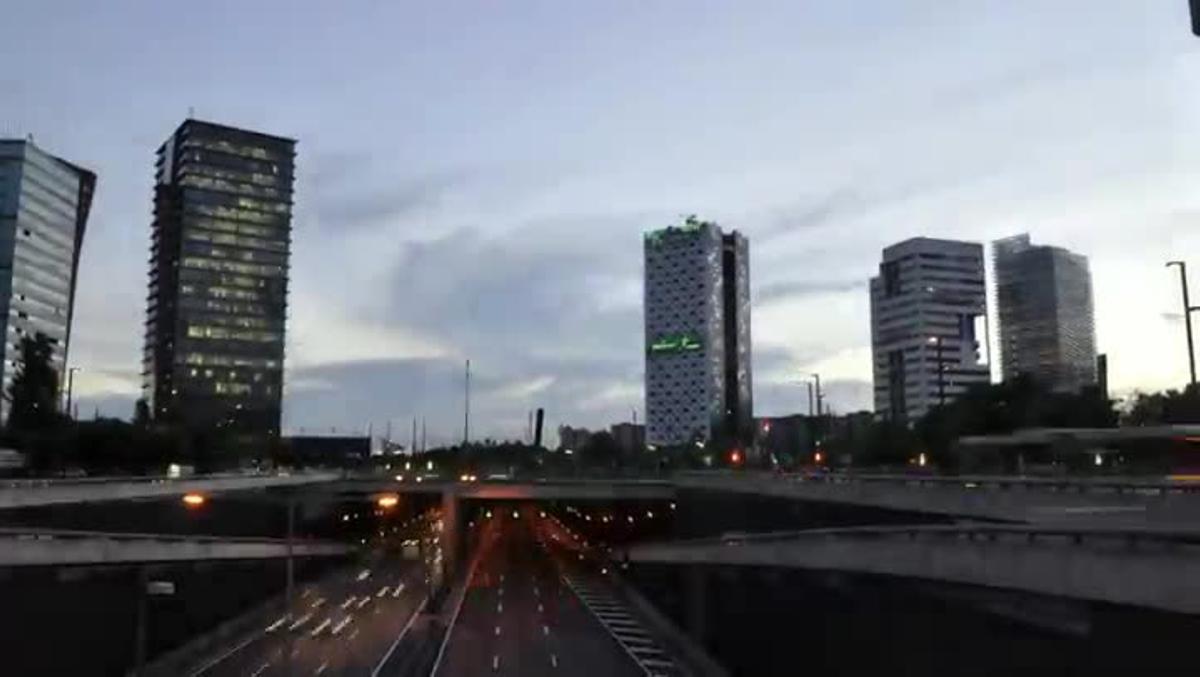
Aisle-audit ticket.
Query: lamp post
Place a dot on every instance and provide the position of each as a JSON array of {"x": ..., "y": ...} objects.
[
  {"x": 817, "y": 379},
  {"x": 70, "y": 387},
  {"x": 1187, "y": 316}
]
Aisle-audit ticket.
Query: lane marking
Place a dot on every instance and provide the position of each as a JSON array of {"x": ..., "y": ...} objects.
[
  {"x": 364, "y": 575},
  {"x": 363, "y": 602},
  {"x": 353, "y": 634},
  {"x": 554, "y": 660},
  {"x": 546, "y": 630},
  {"x": 399, "y": 589},
  {"x": 301, "y": 621},
  {"x": 349, "y": 600},
  {"x": 324, "y": 624},
  {"x": 342, "y": 624},
  {"x": 322, "y": 668},
  {"x": 317, "y": 604},
  {"x": 382, "y": 591},
  {"x": 497, "y": 630},
  {"x": 407, "y": 626},
  {"x": 260, "y": 669},
  {"x": 495, "y": 662},
  {"x": 499, "y": 607},
  {"x": 276, "y": 625}
]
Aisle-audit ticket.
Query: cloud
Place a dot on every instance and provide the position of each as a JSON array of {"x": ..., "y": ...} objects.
[
  {"x": 780, "y": 291},
  {"x": 349, "y": 194}
]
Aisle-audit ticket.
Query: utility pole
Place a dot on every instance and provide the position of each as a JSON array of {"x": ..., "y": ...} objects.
[
  {"x": 817, "y": 378},
  {"x": 71, "y": 388},
  {"x": 412, "y": 446},
  {"x": 1187, "y": 316},
  {"x": 422, "y": 434},
  {"x": 467, "y": 406},
  {"x": 810, "y": 398}
]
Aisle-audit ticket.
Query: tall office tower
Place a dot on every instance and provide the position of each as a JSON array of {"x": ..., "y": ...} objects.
[
  {"x": 1044, "y": 298},
  {"x": 44, "y": 205},
  {"x": 926, "y": 305},
  {"x": 218, "y": 279},
  {"x": 697, "y": 318}
]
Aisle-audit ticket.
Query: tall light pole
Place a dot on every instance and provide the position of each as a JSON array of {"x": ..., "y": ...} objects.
[
  {"x": 1187, "y": 316},
  {"x": 70, "y": 387},
  {"x": 817, "y": 379},
  {"x": 810, "y": 397},
  {"x": 467, "y": 406}
]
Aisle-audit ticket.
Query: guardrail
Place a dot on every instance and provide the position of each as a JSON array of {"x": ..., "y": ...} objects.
[
  {"x": 40, "y": 533},
  {"x": 963, "y": 532},
  {"x": 1079, "y": 485},
  {"x": 36, "y": 482}
]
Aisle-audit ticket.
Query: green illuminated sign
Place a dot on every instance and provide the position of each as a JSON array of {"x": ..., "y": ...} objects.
[
  {"x": 675, "y": 343},
  {"x": 691, "y": 224}
]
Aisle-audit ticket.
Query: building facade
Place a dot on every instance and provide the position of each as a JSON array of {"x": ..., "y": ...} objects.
[
  {"x": 1044, "y": 307},
  {"x": 44, "y": 206},
  {"x": 697, "y": 331},
  {"x": 219, "y": 278},
  {"x": 630, "y": 437},
  {"x": 928, "y": 325},
  {"x": 573, "y": 438}
]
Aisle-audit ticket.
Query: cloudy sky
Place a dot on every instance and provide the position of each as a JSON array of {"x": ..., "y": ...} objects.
[{"x": 473, "y": 177}]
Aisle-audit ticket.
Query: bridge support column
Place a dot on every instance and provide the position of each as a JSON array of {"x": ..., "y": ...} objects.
[
  {"x": 452, "y": 535},
  {"x": 695, "y": 612}
]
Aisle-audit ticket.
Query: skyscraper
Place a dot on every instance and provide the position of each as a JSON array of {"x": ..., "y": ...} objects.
[
  {"x": 1044, "y": 299},
  {"x": 926, "y": 305},
  {"x": 697, "y": 320},
  {"x": 218, "y": 279},
  {"x": 44, "y": 205}
]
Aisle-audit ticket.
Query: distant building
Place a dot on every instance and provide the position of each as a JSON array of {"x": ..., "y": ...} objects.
[
  {"x": 328, "y": 450},
  {"x": 1044, "y": 302},
  {"x": 630, "y": 437},
  {"x": 926, "y": 305},
  {"x": 218, "y": 279},
  {"x": 697, "y": 330},
  {"x": 573, "y": 438},
  {"x": 44, "y": 206}
]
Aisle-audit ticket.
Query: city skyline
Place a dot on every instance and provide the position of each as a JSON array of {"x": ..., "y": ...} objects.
[{"x": 805, "y": 131}]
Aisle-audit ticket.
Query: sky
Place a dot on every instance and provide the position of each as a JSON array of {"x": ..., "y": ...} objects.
[{"x": 473, "y": 178}]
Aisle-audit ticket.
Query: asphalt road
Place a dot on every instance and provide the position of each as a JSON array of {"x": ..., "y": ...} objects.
[
  {"x": 345, "y": 624},
  {"x": 517, "y": 618}
]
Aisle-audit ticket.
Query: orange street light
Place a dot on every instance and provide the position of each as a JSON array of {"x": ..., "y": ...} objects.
[
  {"x": 193, "y": 499},
  {"x": 388, "y": 501}
]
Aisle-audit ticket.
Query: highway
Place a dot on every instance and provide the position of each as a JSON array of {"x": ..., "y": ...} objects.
[
  {"x": 345, "y": 624},
  {"x": 517, "y": 616}
]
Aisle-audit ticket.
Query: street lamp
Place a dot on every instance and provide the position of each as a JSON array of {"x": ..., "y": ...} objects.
[
  {"x": 817, "y": 379},
  {"x": 1187, "y": 316},
  {"x": 71, "y": 387}
]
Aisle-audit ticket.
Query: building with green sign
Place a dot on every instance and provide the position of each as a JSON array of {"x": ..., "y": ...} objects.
[{"x": 697, "y": 343}]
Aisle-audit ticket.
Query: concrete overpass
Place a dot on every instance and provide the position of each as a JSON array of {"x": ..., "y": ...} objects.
[
  {"x": 35, "y": 546},
  {"x": 1152, "y": 568},
  {"x": 33, "y": 492},
  {"x": 1032, "y": 500},
  {"x": 612, "y": 489}
]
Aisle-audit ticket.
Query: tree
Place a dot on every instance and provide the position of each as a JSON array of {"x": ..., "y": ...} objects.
[
  {"x": 33, "y": 393},
  {"x": 141, "y": 413},
  {"x": 1171, "y": 406}
]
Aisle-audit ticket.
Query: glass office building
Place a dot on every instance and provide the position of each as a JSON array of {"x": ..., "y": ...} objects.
[
  {"x": 1044, "y": 298},
  {"x": 44, "y": 205},
  {"x": 217, "y": 300}
]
